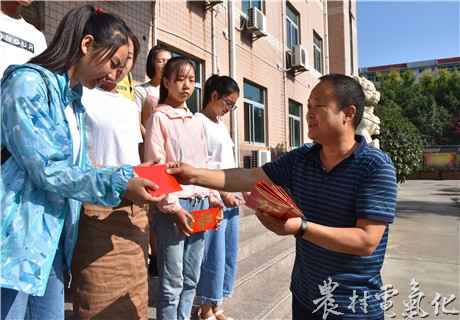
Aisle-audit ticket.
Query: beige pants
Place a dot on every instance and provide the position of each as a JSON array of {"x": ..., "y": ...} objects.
[{"x": 109, "y": 265}]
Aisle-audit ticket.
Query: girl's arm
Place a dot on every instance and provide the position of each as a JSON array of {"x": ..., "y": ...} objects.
[{"x": 35, "y": 132}]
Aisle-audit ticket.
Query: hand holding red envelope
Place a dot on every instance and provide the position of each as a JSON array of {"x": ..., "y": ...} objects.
[
  {"x": 205, "y": 219},
  {"x": 272, "y": 200},
  {"x": 166, "y": 183}
]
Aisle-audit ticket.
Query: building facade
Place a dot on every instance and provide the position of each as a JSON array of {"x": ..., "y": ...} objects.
[
  {"x": 275, "y": 50},
  {"x": 419, "y": 68}
]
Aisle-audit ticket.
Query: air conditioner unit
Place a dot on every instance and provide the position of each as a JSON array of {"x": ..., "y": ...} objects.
[
  {"x": 214, "y": 2},
  {"x": 260, "y": 157},
  {"x": 211, "y": 3},
  {"x": 299, "y": 58},
  {"x": 257, "y": 22}
]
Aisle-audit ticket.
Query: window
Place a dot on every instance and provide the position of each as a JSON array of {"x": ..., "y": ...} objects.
[
  {"x": 292, "y": 27},
  {"x": 318, "y": 52},
  {"x": 295, "y": 124},
  {"x": 194, "y": 102},
  {"x": 254, "y": 114},
  {"x": 245, "y": 4}
]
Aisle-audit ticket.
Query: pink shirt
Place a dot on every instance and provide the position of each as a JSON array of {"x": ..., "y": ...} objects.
[{"x": 175, "y": 136}]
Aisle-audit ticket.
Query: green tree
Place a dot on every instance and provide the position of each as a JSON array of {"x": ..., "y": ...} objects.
[
  {"x": 431, "y": 104},
  {"x": 400, "y": 139},
  {"x": 444, "y": 86}
]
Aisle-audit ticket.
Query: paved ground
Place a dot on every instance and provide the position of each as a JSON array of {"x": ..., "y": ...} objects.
[{"x": 423, "y": 249}]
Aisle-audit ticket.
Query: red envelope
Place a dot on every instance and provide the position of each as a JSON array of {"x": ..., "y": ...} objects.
[
  {"x": 166, "y": 183},
  {"x": 204, "y": 219},
  {"x": 272, "y": 200}
]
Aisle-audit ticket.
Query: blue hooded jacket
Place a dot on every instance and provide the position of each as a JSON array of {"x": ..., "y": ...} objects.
[{"x": 43, "y": 183}]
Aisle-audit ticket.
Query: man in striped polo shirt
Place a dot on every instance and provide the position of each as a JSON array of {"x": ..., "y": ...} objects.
[{"x": 347, "y": 192}]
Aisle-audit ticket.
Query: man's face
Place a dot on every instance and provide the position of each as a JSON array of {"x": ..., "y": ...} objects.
[{"x": 324, "y": 120}]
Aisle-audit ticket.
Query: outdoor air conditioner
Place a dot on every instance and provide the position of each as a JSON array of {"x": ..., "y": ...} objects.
[
  {"x": 211, "y": 3},
  {"x": 257, "y": 22},
  {"x": 260, "y": 157},
  {"x": 214, "y": 2},
  {"x": 299, "y": 58}
]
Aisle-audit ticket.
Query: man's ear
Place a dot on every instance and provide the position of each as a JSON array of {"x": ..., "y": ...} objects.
[
  {"x": 349, "y": 113},
  {"x": 86, "y": 43}
]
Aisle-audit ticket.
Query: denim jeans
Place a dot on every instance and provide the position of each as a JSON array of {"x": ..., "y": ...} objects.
[
  {"x": 20, "y": 305},
  {"x": 179, "y": 263},
  {"x": 218, "y": 269}
]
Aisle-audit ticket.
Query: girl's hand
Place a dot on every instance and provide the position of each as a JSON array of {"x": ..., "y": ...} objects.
[
  {"x": 219, "y": 219},
  {"x": 147, "y": 163},
  {"x": 137, "y": 191},
  {"x": 231, "y": 200},
  {"x": 180, "y": 219}
]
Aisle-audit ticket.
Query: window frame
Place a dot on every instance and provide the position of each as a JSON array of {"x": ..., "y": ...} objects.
[
  {"x": 245, "y": 4},
  {"x": 252, "y": 133},
  {"x": 290, "y": 25},
  {"x": 317, "y": 52},
  {"x": 293, "y": 120}
]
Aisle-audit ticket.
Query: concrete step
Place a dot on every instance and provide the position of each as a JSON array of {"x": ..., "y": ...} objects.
[
  {"x": 262, "y": 283},
  {"x": 253, "y": 237}
]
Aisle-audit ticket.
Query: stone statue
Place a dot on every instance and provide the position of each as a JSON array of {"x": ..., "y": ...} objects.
[{"x": 370, "y": 125}]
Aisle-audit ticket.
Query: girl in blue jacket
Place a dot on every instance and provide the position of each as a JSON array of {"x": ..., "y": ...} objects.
[{"x": 45, "y": 170}]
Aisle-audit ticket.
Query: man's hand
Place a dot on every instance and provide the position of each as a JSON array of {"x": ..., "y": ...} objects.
[
  {"x": 279, "y": 226},
  {"x": 184, "y": 173},
  {"x": 137, "y": 191}
]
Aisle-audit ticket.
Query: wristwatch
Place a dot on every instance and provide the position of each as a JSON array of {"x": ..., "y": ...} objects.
[{"x": 302, "y": 229}]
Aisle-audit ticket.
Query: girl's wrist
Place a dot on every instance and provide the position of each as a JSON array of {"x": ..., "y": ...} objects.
[{"x": 226, "y": 196}]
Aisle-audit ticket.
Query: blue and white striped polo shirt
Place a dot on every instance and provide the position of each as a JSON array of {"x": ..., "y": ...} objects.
[{"x": 362, "y": 186}]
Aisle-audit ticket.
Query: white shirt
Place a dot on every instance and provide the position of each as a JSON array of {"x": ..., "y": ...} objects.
[
  {"x": 219, "y": 143},
  {"x": 112, "y": 128},
  {"x": 74, "y": 130},
  {"x": 140, "y": 94},
  {"x": 19, "y": 41}
]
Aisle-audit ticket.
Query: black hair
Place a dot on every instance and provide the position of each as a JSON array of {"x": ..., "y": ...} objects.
[
  {"x": 223, "y": 85},
  {"x": 150, "y": 64},
  {"x": 108, "y": 30},
  {"x": 348, "y": 92},
  {"x": 136, "y": 45},
  {"x": 177, "y": 65}
]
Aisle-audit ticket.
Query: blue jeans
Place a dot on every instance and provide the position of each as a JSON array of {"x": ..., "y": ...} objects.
[
  {"x": 218, "y": 269},
  {"x": 20, "y": 305},
  {"x": 179, "y": 263}
]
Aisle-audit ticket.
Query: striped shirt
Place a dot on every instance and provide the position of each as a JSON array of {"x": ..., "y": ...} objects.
[{"x": 362, "y": 186}]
